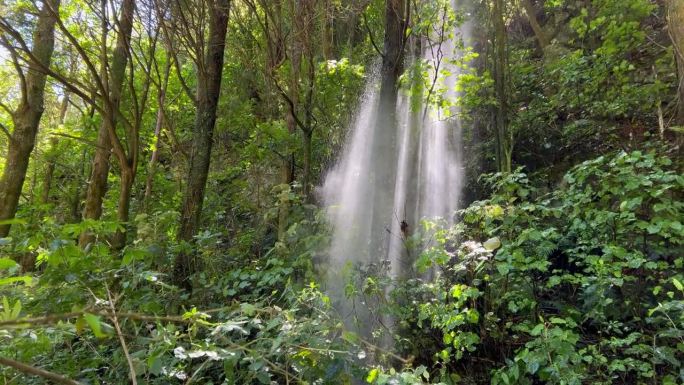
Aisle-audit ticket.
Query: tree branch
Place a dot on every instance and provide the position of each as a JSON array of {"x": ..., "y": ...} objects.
[
  {"x": 370, "y": 35},
  {"x": 32, "y": 370},
  {"x": 6, "y": 132},
  {"x": 83, "y": 140},
  {"x": 117, "y": 327},
  {"x": 6, "y": 108}
]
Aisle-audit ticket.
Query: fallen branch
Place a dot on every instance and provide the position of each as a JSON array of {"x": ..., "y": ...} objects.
[
  {"x": 54, "y": 318},
  {"x": 32, "y": 370}
]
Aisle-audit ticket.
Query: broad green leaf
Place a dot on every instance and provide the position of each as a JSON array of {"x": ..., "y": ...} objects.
[
  {"x": 492, "y": 244},
  {"x": 25, "y": 279},
  {"x": 94, "y": 323},
  {"x": 372, "y": 375},
  {"x": 678, "y": 284},
  {"x": 6, "y": 263}
]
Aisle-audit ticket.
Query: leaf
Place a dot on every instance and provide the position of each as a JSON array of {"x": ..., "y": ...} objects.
[
  {"x": 350, "y": 337},
  {"x": 13, "y": 221},
  {"x": 25, "y": 279},
  {"x": 94, "y": 323},
  {"x": 6, "y": 263},
  {"x": 532, "y": 366},
  {"x": 16, "y": 309},
  {"x": 248, "y": 309},
  {"x": 492, "y": 244},
  {"x": 537, "y": 330},
  {"x": 372, "y": 375},
  {"x": 678, "y": 284}
]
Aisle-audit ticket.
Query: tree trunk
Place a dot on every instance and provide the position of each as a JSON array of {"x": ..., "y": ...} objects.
[
  {"x": 76, "y": 197},
  {"x": 307, "y": 137},
  {"x": 288, "y": 167},
  {"x": 503, "y": 139},
  {"x": 52, "y": 154},
  {"x": 151, "y": 168},
  {"x": 97, "y": 187},
  {"x": 382, "y": 176},
  {"x": 675, "y": 21},
  {"x": 327, "y": 30},
  {"x": 539, "y": 33},
  {"x": 27, "y": 117},
  {"x": 118, "y": 240},
  {"x": 208, "y": 92},
  {"x": 393, "y": 59},
  {"x": 308, "y": 129}
]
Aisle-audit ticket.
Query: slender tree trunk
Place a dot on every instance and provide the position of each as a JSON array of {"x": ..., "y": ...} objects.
[
  {"x": 327, "y": 30},
  {"x": 97, "y": 187},
  {"x": 288, "y": 167},
  {"x": 208, "y": 92},
  {"x": 76, "y": 198},
  {"x": 308, "y": 129},
  {"x": 152, "y": 166},
  {"x": 54, "y": 142},
  {"x": 307, "y": 138},
  {"x": 675, "y": 21},
  {"x": 393, "y": 60},
  {"x": 503, "y": 140},
  {"x": 118, "y": 240},
  {"x": 539, "y": 33},
  {"x": 27, "y": 117}
]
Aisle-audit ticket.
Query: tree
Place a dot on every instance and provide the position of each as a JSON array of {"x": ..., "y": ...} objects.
[
  {"x": 51, "y": 161},
  {"x": 539, "y": 32},
  {"x": 162, "y": 83},
  {"x": 26, "y": 118},
  {"x": 504, "y": 142},
  {"x": 208, "y": 56},
  {"x": 675, "y": 19},
  {"x": 113, "y": 89},
  {"x": 385, "y": 136}
]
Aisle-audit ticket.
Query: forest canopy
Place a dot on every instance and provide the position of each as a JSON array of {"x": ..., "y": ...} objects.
[{"x": 341, "y": 192}]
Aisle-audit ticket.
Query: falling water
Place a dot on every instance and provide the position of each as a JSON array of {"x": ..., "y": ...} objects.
[{"x": 413, "y": 174}]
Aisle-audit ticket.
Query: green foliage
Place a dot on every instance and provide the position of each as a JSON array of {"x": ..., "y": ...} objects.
[
  {"x": 579, "y": 285},
  {"x": 262, "y": 325}
]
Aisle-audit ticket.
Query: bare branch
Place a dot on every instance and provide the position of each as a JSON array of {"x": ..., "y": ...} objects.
[
  {"x": 124, "y": 347},
  {"x": 14, "y": 55},
  {"x": 84, "y": 140},
  {"x": 6, "y": 108},
  {"x": 6, "y": 132},
  {"x": 32, "y": 370},
  {"x": 370, "y": 35}
]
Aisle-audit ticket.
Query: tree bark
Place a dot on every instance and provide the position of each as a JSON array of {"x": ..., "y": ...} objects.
[
  {"x": 97, "y": 187},
  {"x": 77, "y": 196},
  {"x": 396, "y": 15},
  {"x": 26, "y": 118},
  {"x": 118, "y": 240},
  {"x": 52, "y": 154},
  {"x": 327, "y": 35},
  {"x": 539, "y": 33},
  {"x": 503, "y": 136},
  {"x": 382, "y": 176},
  {"x": 288, "y": 167},
  {"x": 675, "y": 19},
  {"x": 151, "y": 168},
  {"x": 308, "y": 126},
  {"x": 208, "y": 92}
]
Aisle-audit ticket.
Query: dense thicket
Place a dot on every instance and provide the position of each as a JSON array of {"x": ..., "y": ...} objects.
[{"x": 196, "y": 254}]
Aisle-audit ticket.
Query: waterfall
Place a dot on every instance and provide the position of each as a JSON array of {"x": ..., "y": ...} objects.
[{"x": 386, "y": 182}]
